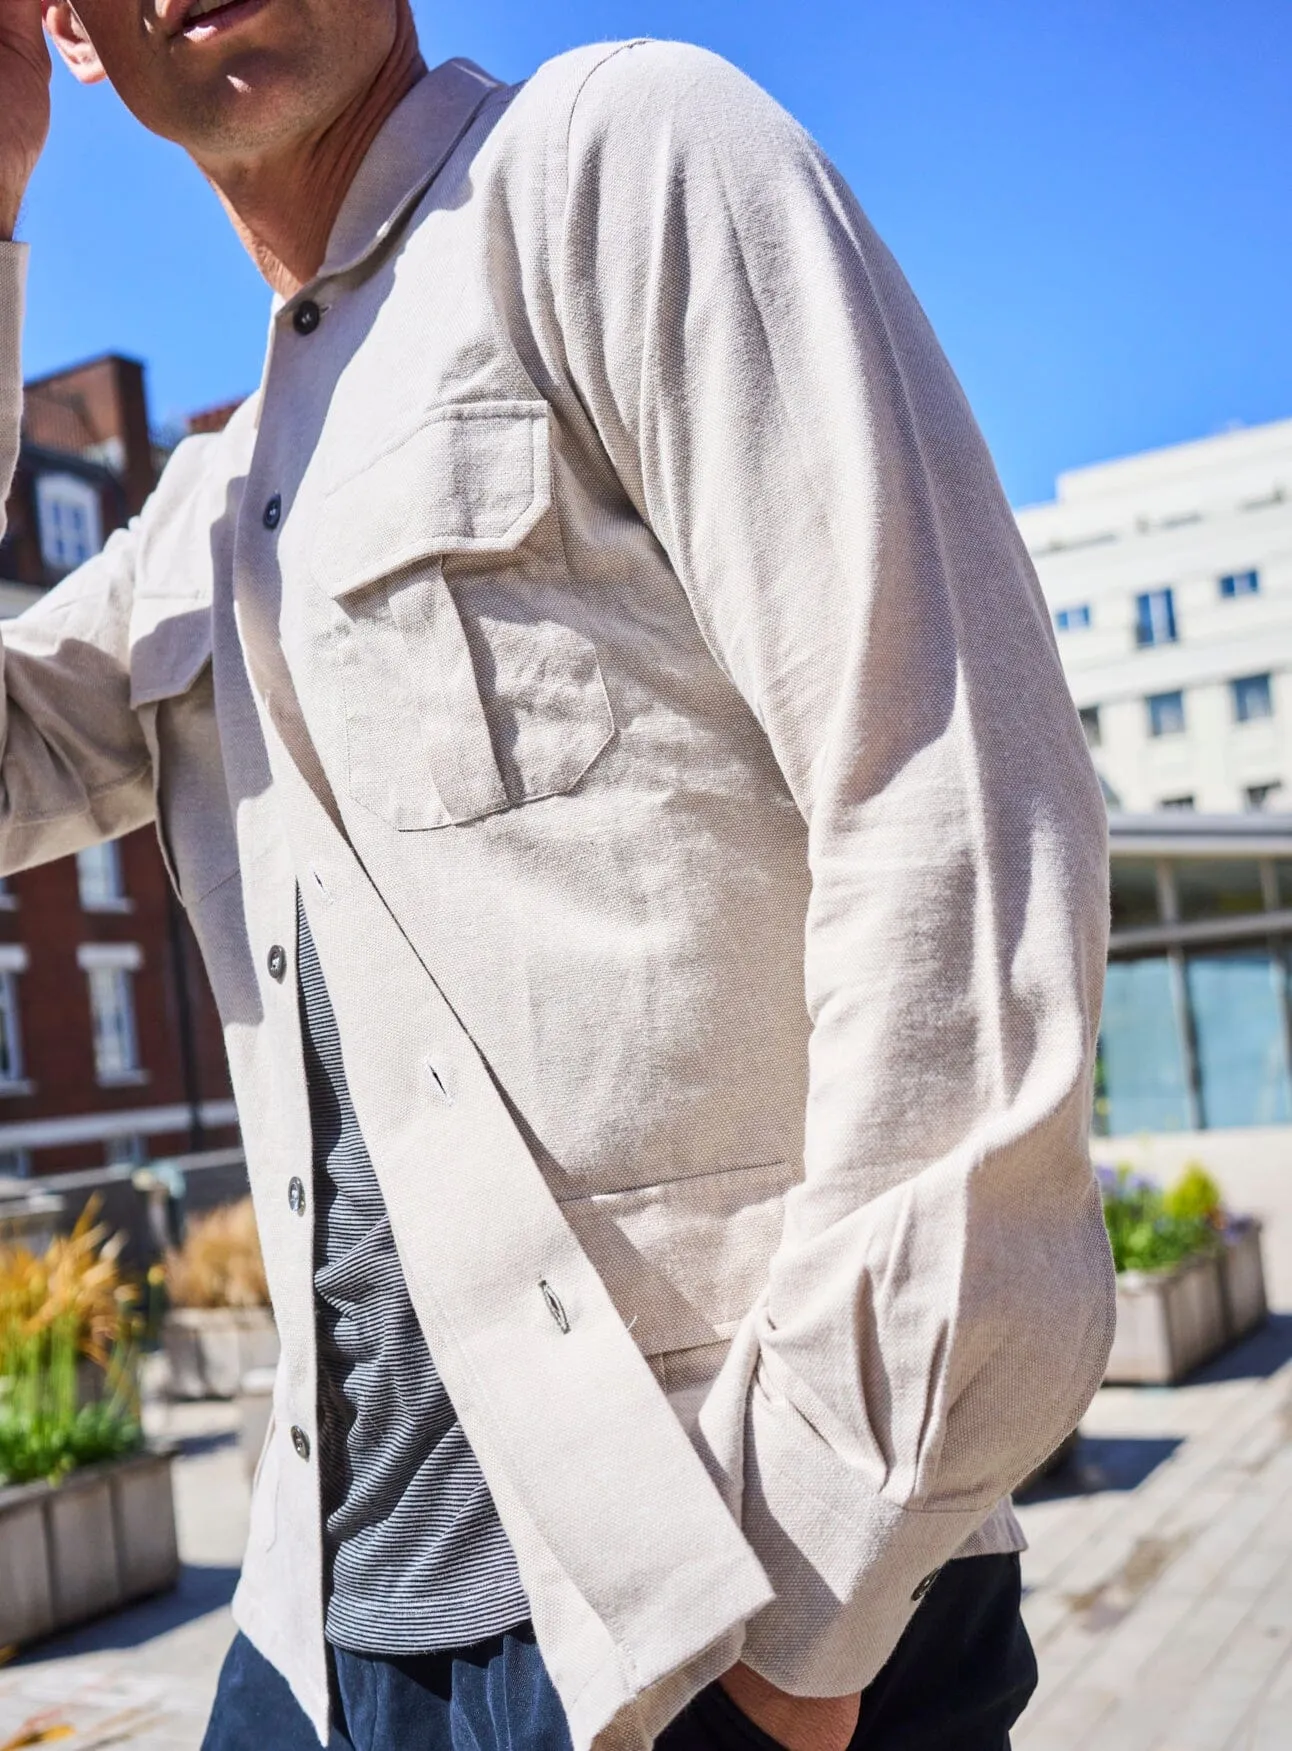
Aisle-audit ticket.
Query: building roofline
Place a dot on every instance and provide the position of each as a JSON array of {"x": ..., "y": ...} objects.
[
  {"x": 48, "y": 377},
  {"x": 1088, "y": 485}
]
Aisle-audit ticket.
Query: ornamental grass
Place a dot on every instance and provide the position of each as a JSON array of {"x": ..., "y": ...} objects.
[
  {"x": 220, "y": 1262},
  {"x": 60, "y": 1310}
]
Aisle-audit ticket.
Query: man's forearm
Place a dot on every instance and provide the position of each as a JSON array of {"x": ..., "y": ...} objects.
[{"x": 24, "y": 104}]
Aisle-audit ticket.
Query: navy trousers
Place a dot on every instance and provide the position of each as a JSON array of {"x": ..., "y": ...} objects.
[{"x": 958, "y": 1680}]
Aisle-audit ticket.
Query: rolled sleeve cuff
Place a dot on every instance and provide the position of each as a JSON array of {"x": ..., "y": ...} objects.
[{"x": 849, "y": 1567}]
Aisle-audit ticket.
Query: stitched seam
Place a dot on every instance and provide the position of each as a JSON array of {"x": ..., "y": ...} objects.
[
  {"x": 686, "y": 1179},
  {"x": 26, "y": 820}
]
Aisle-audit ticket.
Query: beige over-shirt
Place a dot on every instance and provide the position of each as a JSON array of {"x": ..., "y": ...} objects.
[{"x": 642, "y": 676}]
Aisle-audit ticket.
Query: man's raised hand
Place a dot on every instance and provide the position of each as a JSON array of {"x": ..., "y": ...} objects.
[{"x": 24, "y": 103}]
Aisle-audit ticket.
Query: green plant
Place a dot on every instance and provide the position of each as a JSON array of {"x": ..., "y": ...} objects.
[
  {"x": 1146, "y": 1233},
  {"x": 56, "y": 1309},
  {"x": 1195, "y": 1196}
]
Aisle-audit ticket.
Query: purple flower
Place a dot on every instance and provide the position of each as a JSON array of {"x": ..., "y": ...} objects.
[{"x": 1120, "y": 1182}]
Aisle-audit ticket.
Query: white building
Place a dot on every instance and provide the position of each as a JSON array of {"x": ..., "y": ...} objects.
[{"x": 1169, "y": 575}]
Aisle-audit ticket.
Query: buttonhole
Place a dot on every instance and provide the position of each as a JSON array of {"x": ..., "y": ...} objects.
[
  {"x": 441, "y": 1086},
  {"x": 554, "y": 1306}
]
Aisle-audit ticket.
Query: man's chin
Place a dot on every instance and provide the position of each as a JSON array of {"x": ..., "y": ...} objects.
[{"x": 254, "y": 105}]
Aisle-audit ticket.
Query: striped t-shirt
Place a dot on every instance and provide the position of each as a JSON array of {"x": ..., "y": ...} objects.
[{"x": 417, "y": 1557}]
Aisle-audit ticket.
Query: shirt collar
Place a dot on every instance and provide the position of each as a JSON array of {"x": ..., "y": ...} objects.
[{"x": 404, "y": 160}]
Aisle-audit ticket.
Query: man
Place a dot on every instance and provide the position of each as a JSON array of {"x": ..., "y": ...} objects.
[{"x": 601, "y": 721}]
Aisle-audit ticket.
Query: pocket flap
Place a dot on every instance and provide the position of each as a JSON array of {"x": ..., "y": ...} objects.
[
  {"x": 685, "y": 1260},
  {"x": 170, "y": 645},
  {"x": 471, "y": 479}
]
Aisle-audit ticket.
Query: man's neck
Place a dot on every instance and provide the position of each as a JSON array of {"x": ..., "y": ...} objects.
[{"x": 284, "y": 206}]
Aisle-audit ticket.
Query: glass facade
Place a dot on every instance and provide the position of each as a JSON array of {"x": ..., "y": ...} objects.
[
  {"x": 1143, "y": 1075},
  {"x": 1216, "y": 887},
  {"x": 1197, "y": 1025},
  {"x": 1236, "y": 999},
  {"x": 1135, "y": 893}
]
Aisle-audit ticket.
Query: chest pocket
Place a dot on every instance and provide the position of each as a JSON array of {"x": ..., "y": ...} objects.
[{"x": 468, "y": 685}]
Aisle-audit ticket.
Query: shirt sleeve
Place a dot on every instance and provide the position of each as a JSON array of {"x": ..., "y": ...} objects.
[
  {"x": 775, "y": 404},
  {"x": 74, "y": 765},
  {"x": 13, "y": 280}
]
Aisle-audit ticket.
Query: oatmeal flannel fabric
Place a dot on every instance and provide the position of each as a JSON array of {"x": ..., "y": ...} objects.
[{"x": 607, "y": 614}]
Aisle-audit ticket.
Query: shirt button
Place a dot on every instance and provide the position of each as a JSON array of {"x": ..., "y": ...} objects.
[
  {"x": 296, "y": 1197},
  {"x": 301, "y": 1442},
  {"x": 274, "y": 512},
  {"x": 278, "y": 962},
  {"x": 307, "y": 317}
]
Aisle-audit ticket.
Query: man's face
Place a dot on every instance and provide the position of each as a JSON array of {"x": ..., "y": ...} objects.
[{"x": 231, "y": 79}]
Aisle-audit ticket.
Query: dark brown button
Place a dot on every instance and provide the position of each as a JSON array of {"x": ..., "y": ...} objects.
[
  {"x": 307, "y": 317},
  {"x": 278, "y": 962},
  {"x": 301, "y": 1442},
  {"x": 274, "y": 512},
  {"x": 296, "y": 1197}
]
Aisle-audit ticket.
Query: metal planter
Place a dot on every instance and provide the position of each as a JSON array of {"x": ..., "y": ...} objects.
[
  {"x": 1242, "y": 1278},
  {"x": 1171, "y": 1322},
  {"x": 101, "y": 1538},
  {"x": 209, "y": 1349}
]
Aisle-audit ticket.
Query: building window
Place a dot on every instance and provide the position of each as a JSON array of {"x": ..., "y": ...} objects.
[
  {"x": 15, "y": 1164},
  {"x": 1155, "y": 618},
  {"x": 1235, "y": 1000},
  {"x": 1253, "y": 698},
  {"x": 1217, "y": 887},
  {"x": 11, "y": 1067},
  {"x": 1136, "y": 896},
  {"x": 100, "y": 879},
  {"x": 1142, "y": 1074},
  {"x": 1090, "y": 724},
  {"x": 1073, "y": 619},
  {"x": 128, "y": 1151},
  {"x": 71, "y": 520},
  {"x": 8, "y": 899},
  {"x": 110, "y": 970},
  {"x": 1178, "y": 804},
  {"x": 1166, "y": 714},
  {"x": 1259, "y": 796},
  {"x": 1240, "y": 584}
]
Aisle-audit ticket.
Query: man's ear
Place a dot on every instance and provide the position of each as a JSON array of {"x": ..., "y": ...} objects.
[{"x": 68, "y": 35}]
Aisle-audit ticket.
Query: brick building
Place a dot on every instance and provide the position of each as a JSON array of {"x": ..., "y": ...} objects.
[{"x": 110, "y": 1047}]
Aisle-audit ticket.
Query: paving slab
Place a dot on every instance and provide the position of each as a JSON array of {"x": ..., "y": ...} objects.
[
  {"x": 1159, "y": 1579},
  {"x": 144, "y": 1678}
]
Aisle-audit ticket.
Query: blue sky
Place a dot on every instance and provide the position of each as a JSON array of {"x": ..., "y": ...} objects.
[{"x": 1090, "y": 197}]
